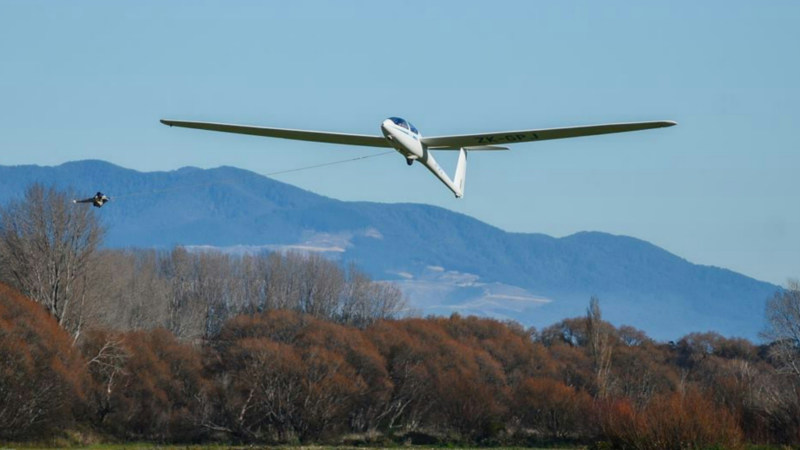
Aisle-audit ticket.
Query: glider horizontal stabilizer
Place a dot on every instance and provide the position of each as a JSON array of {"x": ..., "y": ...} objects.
[{"x": 476, "y": 147}]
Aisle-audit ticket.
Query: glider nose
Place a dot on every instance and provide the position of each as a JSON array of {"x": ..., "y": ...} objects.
[{"x": 385, "y": 129}]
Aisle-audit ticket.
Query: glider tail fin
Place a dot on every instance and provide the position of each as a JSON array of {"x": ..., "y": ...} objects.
[{"x": 461, "y": 172}]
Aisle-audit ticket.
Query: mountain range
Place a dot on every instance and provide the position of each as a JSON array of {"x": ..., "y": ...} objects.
[{"x": 444, "y": 261}]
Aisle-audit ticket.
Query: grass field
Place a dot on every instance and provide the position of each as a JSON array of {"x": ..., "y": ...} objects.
[{"x": 138, "y": 446}]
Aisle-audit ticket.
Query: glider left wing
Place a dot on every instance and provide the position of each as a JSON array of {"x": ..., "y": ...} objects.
[
  {"x": 301, "y": 135},
  {"x": 511, "y": 137}
]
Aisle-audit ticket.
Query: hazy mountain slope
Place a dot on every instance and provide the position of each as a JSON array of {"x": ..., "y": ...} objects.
[{"x": 444, "y": 260}]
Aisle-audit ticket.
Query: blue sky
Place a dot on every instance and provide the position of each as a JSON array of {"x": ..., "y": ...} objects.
[{"x": 89, "y": 80}]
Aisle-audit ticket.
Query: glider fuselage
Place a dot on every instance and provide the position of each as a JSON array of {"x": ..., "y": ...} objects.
[{"x": 406, "y": 139}]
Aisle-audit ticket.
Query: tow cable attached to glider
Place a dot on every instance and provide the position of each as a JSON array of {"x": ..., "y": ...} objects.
[{"x": 101, "y": 199}]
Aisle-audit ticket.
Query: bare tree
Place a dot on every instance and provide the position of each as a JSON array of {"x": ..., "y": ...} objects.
[
  {"x": 783, "y": 327},
  {"x": 216, "y": 289},
  {"x": 365, "y": 301},
  {"x": 47, "y": 244},
  {"x": 322, "y": 284},
  {"x": 284, "y": 275},
  {"x": 106, "y": 357},
  {"x": 187, "y": 313},
  {"x": 132, "y": 294},
  {"x": 600, "y": 346},
  {"x": 253, "y": 272}
]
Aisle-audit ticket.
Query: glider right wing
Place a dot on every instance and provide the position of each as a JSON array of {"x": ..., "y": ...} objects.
[
  {"x": 301, "y": 135},
  {"x": 511, "y": 137}
]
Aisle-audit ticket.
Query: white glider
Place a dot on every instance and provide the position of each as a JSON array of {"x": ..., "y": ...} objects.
[{"x": 406, "y": 139}]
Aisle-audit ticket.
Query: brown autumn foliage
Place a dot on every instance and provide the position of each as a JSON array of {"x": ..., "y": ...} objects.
[
  {"x": 439, "y": 379},
  {"x": 283, "y": 376},
  {"x": 642, "y": 371},
  {"x": 41, "y": 374},
  {"x": 570, "y": 362},
  {"x": 746, "y": 381},
  {"x": 552, "y": 409},
  {"x": 145, "y": 385},
  {"x": 671, "y": 421}
]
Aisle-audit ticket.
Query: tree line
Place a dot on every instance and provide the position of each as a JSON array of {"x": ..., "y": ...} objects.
[
  {"x": 283, "y": 376},
  {"x": 186, "y": 346},
  {"x": 50, "y": 249}
]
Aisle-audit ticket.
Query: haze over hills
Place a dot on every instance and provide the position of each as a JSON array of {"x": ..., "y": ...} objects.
[{"x": 445, "y": 261}]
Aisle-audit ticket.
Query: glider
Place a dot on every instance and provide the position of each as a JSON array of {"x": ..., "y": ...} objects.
[
  {"x": 404, "y": 137},
  {"x": 98, "y": 200}
]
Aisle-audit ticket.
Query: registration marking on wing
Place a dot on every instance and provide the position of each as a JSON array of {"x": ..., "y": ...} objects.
[{"x": 518, "y": 137}]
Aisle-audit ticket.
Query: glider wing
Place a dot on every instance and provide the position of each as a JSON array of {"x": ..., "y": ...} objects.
[
  {"x": 512, "y": 137},
  {"x": 301, "y": 135}
]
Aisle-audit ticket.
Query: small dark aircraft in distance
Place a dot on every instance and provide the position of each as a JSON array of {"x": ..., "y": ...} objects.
[{"x": 98, "y": 200}]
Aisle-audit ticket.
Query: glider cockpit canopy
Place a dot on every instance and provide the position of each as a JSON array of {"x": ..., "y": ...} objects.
[{"x": 404, "y": 124}]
